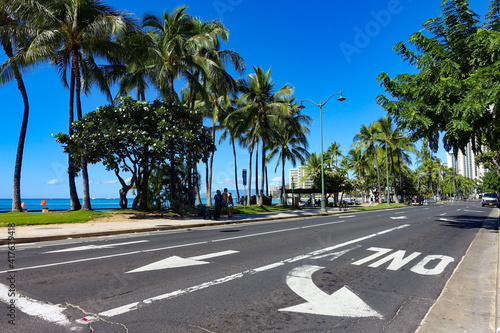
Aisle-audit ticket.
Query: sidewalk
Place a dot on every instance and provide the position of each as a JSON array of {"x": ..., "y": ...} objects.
[
  {"x": 37, "y": 233},
  {"x": 470, "y": 301}
]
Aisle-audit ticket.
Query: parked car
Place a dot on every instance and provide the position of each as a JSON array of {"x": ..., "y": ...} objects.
[{"x": 490, "y": 199}]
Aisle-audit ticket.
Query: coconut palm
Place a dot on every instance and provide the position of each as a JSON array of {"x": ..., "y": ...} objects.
[
  {"x": 15, "y": 35},
  {"x": 332, "y": 154},
  {"x": 262, "y": 108},
  {"x": 290, "y": 141},
  {"x": 75, "y": 33},
  {"x": 367, "y": 138}
]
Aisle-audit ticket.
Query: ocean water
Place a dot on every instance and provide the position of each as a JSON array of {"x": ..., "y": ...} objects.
[
  {"x": 60, "y": 204},
  {"x": 64, "y": 204}
]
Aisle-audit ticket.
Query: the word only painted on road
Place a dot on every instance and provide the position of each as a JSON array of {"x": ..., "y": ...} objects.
[{"x": 429, "y": 265}]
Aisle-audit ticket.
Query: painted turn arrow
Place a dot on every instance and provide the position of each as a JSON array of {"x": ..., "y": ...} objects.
[
  {"x": 175, "y": 262},
  {"x": 342, "y": 303}
]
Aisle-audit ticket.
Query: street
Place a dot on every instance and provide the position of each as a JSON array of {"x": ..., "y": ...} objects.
[{"x": 372, "y": 271}]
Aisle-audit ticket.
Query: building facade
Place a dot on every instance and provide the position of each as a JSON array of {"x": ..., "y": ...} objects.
[
  {"x": 299, "y": 179},
  {"x": 465, "y": 164}
]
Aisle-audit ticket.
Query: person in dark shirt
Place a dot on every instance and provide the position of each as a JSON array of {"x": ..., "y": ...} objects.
[{"x": 218, "y": 204}]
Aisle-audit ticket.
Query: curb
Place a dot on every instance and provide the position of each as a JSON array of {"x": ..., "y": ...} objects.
[
  {"x": 497, "y": 319},
  {"x": 128, "y": 231}
]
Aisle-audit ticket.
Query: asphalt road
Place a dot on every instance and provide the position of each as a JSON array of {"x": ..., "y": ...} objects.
[{"x": 376, "y": 271}]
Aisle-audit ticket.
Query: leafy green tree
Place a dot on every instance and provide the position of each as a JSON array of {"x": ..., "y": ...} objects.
[
  {"x": 335, "y": 182},
  {"x": 491, "y": 182},
  {"x": 456, "y": 88},
  {"x": 135, "y": 137}
]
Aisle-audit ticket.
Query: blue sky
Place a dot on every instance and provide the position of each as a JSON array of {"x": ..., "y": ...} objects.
[{"x": 319, "y": 47}]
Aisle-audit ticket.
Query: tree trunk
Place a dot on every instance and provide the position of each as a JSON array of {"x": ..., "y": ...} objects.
[
  {"x": 250, "y": 177},
  {"x": 378, "y": 174},
  {"x": 73, "y": 194},
  {"x": 16, "y": 188},
  {"x": 210, "y": 170},
  {"x": 263, "y": 157},
  {"x": 83, "y": 164},
  {"x": 283, "y": 188},
  {"x": 396, "y": 190},
  {"x": 257, "y": 193},
  {"x": 235, "y": 170}
]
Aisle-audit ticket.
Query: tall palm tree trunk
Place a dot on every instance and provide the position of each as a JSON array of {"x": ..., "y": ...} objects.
[
  {"x": 235, "y": 170},
  {"x": 83, "y": 164},
  {"x": 257, "y": 172},
  {"x": 378, "y": 173},
  {"x": 283, "y": 188},
  {"x": 396, "y": 190},
  {"x": 73, "y": 194},
  {"x": 250, "y": 177},
  {"x": 263, "y": 157},
  {"x": 16, "y": 188}
]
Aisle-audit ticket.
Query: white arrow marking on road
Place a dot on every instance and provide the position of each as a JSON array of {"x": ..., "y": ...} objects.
[
  {"x": 176, "y": 262},
  {"x": 180, "y": 292},
  {"x": 342, "y": 303},
  {"x": 399, "y": 217},
  {"x": 96, "y": 247}
]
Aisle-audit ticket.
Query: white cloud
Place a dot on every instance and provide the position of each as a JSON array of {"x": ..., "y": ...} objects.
[
  {"x": 226, "y": 181},
  {"x": 110, "y": 181},
  {"x": 53, "y": 182},
  {"x": 276, "y": 180}
]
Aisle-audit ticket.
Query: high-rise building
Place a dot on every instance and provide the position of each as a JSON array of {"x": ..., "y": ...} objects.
[
  {"x": 299, "y": 178},
  {"x": 465, "y": 164}
]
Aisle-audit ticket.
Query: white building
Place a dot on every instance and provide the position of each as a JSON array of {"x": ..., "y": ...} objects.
[
  {"x": 298, "y": 176},
  {"x": 465, "y": 164}
]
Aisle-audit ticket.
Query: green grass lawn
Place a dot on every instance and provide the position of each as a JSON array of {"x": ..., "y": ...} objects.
[
  {"x": 49, "y": 218},
  {"x": 257, "y": 209}
]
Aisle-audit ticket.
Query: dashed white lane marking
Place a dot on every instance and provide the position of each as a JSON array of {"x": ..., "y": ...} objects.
[
  {"x": 96, "y": 247},
  {"x": 169, "y": 247},
  {"x": 180, "y": 292}
]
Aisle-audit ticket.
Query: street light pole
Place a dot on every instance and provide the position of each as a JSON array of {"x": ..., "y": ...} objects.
[{"x": 320, "y": 105}]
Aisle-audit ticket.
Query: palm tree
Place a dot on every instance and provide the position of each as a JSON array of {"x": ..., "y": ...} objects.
[
  {"x": 290, "y": 141},
  {"x": 312, "y": 165},
  {"x": 75, "y": 33},
  {"x": 15, "y": 35},
  {"x": 332, "y": 154},
  {"x": 368, "y": 137},
  {"x": 262, "y": 106}
]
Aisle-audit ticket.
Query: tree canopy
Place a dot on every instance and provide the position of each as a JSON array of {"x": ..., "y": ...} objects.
[
  {"x": 136, "y": 137},
  {"x": 456, "y": 90}
]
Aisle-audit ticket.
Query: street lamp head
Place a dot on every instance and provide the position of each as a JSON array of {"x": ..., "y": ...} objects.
[
  {"x": 301, "y": 106},
  {"x": 341, "y": 98}
]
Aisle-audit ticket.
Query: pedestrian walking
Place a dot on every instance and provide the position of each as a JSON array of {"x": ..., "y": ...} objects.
[
  {"x": 218, "y": 204},
  {"x": 230, "y": 205}
]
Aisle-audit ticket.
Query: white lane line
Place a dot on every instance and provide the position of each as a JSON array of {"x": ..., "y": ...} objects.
[
  {"x": 443, "y": 214},
  {"x": 49, "y": 312},
  {"x": 167, "y": 247},
  {"x": 96, "y": 247},
  {"x": 180, "y": 292}
]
